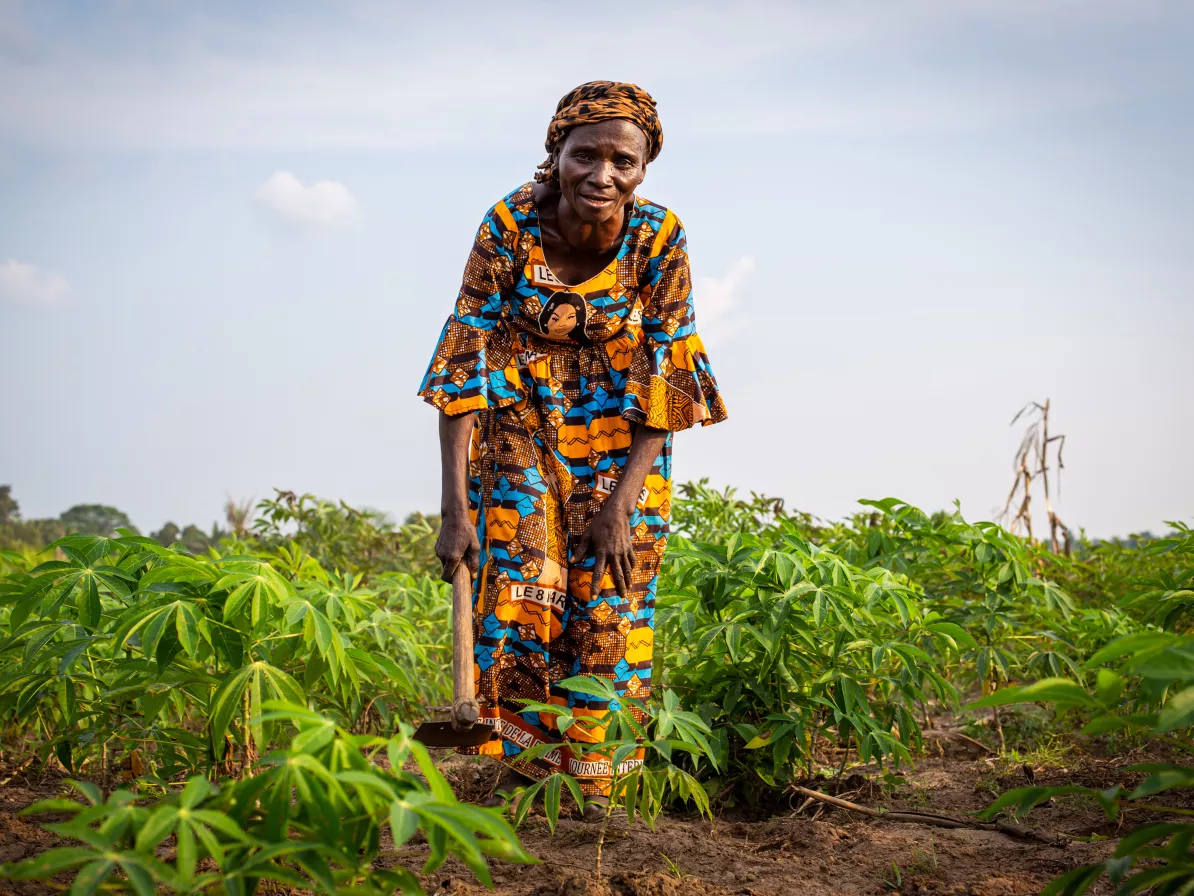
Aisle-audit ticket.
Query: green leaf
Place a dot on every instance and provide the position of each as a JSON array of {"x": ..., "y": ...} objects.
[
  {"x": 590, "y": 685},
  {"x": 1022, "y": 799},
  {"x": 237, "y": 600},
  {"x": 954, "y": 632},
  {"x": 53, "y": 805},
  {"x": 50, "y": 863},
  {"x": 222, "y": 823},
  {"x": 1074, "y": 883},
  {"x": 551, "y": 801},
  {"x": 1108, "y": 687},
  {"x": 403, "y": 822},
  {"x": 90, "y": 877},
  {"x": 630, "y": 795},
  {"x": 224, "y": 705},
  {"x": 187, "y": 855},
  {"x": 759, "y": 741},
  {"x": 188, "y": 621},
  {"x": 88, "y": 602},
  {"x": 574, "y": 789},
  {"x": 1061, "y": 691},
  {"x": 197, "y": 787},
  {"x": 1128, "y": 644},
  {"x": 1178, "y": 712},
  {"x": 156, "y": 828},
  {"x": 525, "y": 802}
]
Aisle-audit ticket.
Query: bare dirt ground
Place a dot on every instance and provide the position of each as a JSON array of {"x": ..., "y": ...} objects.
[
  {"x": 820, "y": 851},
  {"x": 823, "y": 850}
]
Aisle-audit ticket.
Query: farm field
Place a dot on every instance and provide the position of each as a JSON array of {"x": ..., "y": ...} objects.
[
  {"x": 784, "y": 853},
  {"x": 898, "y": 702}
]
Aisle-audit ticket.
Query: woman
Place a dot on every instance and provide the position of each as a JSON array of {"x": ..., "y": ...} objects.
[{"x": 569, "y": 360}]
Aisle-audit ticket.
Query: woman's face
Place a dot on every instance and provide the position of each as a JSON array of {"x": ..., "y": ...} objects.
[
  {"x": 600, "y": 166},
  {"x": 562, "y": 321}
]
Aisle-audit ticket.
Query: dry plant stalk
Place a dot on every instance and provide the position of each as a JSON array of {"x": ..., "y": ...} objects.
[
  {"x": 1032, "y": 461},
  {"x": 239, "y": 516}
]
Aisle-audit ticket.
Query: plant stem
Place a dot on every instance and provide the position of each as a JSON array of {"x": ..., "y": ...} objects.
[
  {"x": 845, "y": 756},
  {"x": 609, "y": 808},
  {"x": 998, "y": 727}
]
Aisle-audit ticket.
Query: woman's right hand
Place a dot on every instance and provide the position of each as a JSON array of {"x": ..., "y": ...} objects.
[{"x": 457, "y": 543}]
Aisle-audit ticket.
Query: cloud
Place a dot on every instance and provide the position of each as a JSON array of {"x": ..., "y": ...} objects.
[
  {"x": 325, "y": 205},
  {"x": 23, "y": 283},
  {"x": 716, "y": 297},
  {"x": 186, "y": 77}
]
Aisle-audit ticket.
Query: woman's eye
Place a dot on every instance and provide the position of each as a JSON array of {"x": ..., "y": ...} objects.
[{"x": 625, "y": 163}]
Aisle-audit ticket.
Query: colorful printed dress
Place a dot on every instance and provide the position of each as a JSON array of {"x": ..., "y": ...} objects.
[{"x": 557, "y": 374}]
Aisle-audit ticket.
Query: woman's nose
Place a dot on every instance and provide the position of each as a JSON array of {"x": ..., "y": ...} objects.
[{"x": 604, "y": 173}]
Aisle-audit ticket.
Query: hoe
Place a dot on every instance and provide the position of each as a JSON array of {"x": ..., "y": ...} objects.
[{"x": 461, "y": 729}]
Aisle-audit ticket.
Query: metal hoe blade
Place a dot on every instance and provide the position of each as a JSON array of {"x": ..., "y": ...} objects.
[{"x": 442, "y": 734}]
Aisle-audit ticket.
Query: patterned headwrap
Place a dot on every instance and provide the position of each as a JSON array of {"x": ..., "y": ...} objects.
[{"x": 601, "y": 101}]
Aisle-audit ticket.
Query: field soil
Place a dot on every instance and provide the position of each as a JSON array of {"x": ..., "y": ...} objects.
[{"x": 809, "y": 849}]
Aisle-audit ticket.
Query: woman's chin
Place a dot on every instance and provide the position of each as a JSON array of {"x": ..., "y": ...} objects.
[{"x": 594, "y": 212}]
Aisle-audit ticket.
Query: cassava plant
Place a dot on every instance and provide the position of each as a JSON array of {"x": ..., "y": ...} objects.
[
  {"x": 1143, "y": 686},
  {"x": 641, "y": 787},
  {"x": 311, "y": 816}
]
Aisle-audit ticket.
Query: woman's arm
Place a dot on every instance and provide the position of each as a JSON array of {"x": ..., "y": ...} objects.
[
  {"x": 457, "y": 535},
  {"x": 608, "y": 536}
]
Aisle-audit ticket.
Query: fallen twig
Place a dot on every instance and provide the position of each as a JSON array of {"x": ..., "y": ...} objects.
[
  {"x": 939, "y": 821},
  {"x": 20, "y": 768}
]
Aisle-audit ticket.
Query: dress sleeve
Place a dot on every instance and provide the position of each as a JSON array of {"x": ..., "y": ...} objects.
[
  {"x": 473, "y": 366},
  {"x": 670, "y": 385}
]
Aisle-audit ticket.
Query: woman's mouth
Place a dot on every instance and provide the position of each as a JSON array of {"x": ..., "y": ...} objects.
[{"x": 598, "y": 201}]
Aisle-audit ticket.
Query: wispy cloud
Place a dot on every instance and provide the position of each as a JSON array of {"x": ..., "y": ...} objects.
[
  {"x": 289, "y": 206},
  {"x": 372, "y": 75},
  {"x": 717, "y": 298},
  {"x": 28, "y": 285}
]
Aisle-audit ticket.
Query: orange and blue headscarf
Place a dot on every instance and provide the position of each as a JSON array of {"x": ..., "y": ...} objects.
[{"x": 600, "y": 101}]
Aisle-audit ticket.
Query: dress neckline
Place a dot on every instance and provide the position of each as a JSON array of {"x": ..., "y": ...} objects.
[{"x": 627, "y": 228}]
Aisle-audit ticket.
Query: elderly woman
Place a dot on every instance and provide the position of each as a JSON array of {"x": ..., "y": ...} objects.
[{"x": 568, "y": 362}]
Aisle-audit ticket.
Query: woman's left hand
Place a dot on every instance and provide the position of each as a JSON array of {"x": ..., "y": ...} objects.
[{"x": 608, "y": 540}]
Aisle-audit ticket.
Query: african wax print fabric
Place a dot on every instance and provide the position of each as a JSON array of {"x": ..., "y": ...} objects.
[{"x": 557, "y": 375}]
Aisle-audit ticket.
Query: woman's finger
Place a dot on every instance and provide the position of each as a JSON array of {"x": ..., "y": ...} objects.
[
  {"x": 580, "y": 549},
  {"x": 472, "y": 557},
  {"x": 618, "y": 570},
  {"x": 598, "y": 574}
]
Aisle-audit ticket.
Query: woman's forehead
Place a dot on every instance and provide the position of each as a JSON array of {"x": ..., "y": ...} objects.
[{"x": 616, "y": 133}]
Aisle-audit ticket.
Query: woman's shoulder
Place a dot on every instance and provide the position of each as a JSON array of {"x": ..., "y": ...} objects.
[
  {"x": 656, "y": 221},
  {"x": 513, "y": 208}
]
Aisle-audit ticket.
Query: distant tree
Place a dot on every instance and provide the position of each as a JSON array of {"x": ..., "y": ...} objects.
[
  {"x": 166, "y": 535},
  {"x": 197, "y": 541},
  {"x": 95, "y": 519},
  {"x": 10, "y": 511},
  {"x": 16, "y": 533}
]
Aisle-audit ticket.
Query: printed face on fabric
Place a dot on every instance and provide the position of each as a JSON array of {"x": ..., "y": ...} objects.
[{"x": 563, "y": 317}]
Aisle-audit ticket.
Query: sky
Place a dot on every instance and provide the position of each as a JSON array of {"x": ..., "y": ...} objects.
[{"x": 230, "y": 233}]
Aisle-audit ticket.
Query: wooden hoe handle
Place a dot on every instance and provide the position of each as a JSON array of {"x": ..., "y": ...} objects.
[{"x": 464, "y": 702}]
